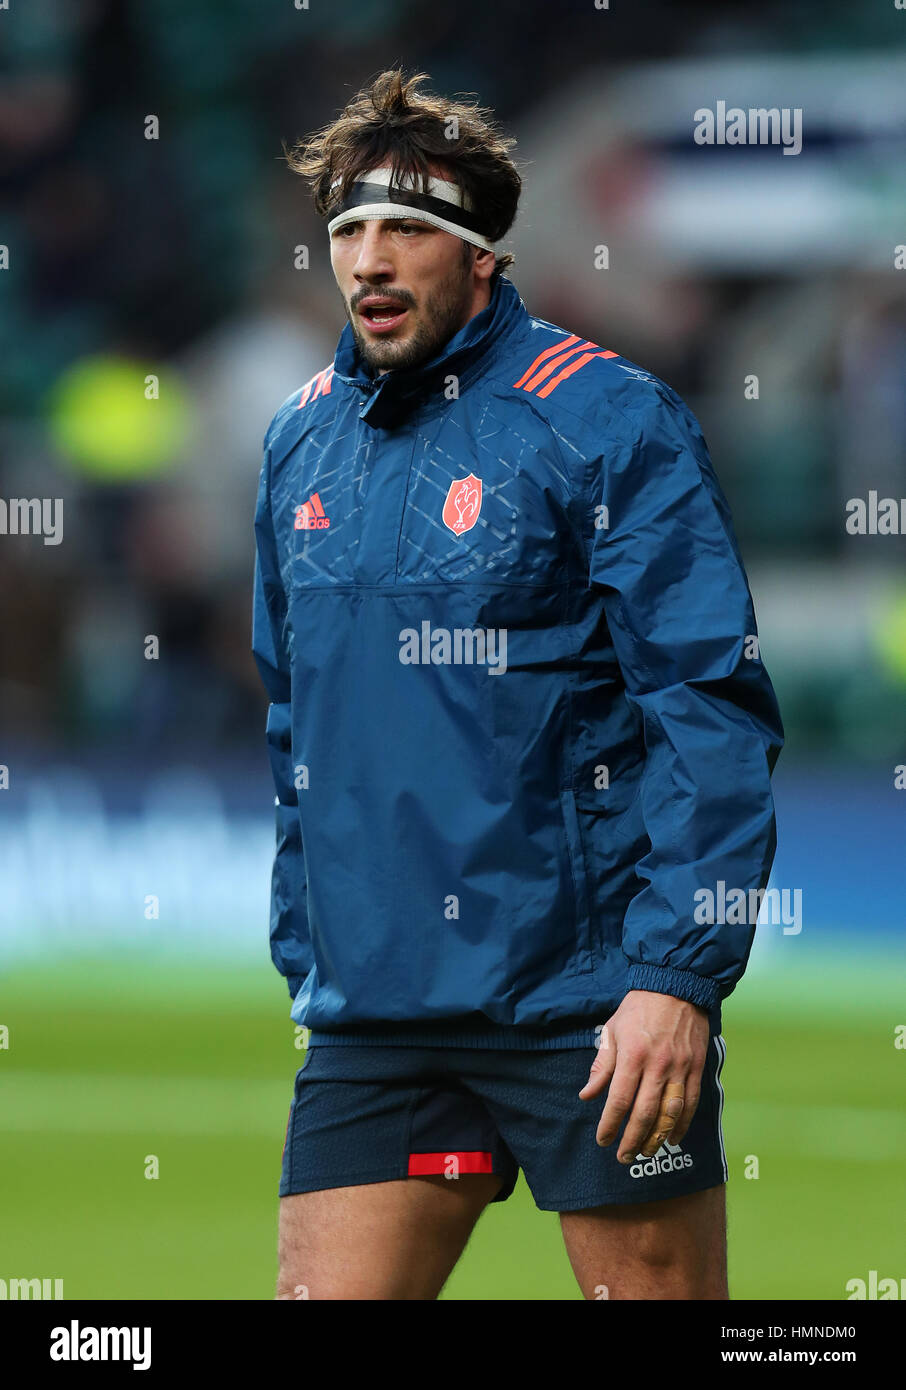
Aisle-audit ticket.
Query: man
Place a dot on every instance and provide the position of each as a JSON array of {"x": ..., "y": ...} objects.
[{"x": 518, "y": 725}]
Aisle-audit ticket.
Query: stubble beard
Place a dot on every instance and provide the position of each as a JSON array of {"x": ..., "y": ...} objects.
[{"x": 442, "y": 314}]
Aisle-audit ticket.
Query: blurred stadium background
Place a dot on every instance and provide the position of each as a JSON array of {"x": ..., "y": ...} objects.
[{"x": 174, "y": 257}]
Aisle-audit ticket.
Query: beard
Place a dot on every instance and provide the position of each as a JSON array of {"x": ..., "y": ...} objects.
[{"x": 442, "y": 315}]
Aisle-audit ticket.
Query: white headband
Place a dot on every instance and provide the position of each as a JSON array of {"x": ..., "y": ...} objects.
[{"x": 444, "y": 205}]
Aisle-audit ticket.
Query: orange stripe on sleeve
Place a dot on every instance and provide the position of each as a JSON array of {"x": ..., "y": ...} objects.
[
  {"x": 573, "y": 367},
  {"x": 319, "y": 385},
  {"x": 548, "y": 352},
  {"x": 554, "y": 363}
]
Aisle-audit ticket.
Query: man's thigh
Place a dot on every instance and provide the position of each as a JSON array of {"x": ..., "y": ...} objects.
[
  {"x": 385, "y": 1240},
  {"x": 387, "y": 1165},
  {"x": 672, "y": 1249}
]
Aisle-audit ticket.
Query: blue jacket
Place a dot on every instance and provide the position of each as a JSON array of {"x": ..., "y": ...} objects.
[{"x": 518, "y": 716}]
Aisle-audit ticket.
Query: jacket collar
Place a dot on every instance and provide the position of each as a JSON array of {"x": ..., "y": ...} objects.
[{"x": 388, "y": 399}]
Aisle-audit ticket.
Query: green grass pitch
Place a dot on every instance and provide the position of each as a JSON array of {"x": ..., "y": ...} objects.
[{"x": 110, "y": 1063}]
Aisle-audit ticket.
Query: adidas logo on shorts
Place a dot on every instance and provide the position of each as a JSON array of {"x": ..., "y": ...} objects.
[{"x": 668, "y": 1159}]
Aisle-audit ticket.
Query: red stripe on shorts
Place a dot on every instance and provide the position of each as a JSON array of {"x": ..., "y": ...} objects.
[{"x": 473, "y": 1162}]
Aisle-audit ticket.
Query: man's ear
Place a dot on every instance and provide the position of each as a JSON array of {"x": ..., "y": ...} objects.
[{"x": 484, "y": 263}]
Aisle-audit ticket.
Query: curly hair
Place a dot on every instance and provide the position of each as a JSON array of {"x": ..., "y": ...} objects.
[{"x": 393, "y": 120}]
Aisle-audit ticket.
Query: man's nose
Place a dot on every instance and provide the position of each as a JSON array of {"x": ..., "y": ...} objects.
[{"x": 374, "y": 258}]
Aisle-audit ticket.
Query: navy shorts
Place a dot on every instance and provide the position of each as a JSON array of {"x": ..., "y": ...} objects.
[{"x": 367, "y": 1114}]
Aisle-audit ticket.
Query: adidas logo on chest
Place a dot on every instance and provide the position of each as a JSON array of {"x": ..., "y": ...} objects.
[{"x": 311, "y": 515}]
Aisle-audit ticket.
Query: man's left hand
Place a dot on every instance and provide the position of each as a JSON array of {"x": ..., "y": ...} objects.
[{"x": 652, "y": 1053}]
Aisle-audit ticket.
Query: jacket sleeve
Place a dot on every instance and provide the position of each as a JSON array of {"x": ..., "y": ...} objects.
[
  {"x": 680, "y": 615},
  {"x": 289, "y": 936}
]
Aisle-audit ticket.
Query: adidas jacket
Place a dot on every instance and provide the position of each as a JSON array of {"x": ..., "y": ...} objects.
[{"x": 518, "y": 719}]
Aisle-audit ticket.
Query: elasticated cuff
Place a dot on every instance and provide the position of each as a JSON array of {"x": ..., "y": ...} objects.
[{"x": 683, "y": 984}]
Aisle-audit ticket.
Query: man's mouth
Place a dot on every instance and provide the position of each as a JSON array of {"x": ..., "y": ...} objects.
[{"x": 382, "y": 317}]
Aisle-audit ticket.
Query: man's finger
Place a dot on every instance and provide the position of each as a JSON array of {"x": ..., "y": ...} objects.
[
  {"x": 670, "y": 1113},
  {"x": 619, "y": 1099},
  {"x": 602, "y": 1067},
  {"x": 642, "y": 1120},
  {"x": 692, "y": 1097}
]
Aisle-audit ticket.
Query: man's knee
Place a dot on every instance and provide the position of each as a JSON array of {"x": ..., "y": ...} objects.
[{"x": 681, "y": 1233}]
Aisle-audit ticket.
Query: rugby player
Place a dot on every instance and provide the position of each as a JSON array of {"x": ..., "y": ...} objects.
[{"x": 518, "y": 721}]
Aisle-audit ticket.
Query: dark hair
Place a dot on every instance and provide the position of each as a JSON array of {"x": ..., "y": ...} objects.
[{"x": 393, "y": 120}]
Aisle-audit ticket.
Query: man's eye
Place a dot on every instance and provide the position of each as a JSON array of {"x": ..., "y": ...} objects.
[{"x": 350, "y": 228}]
